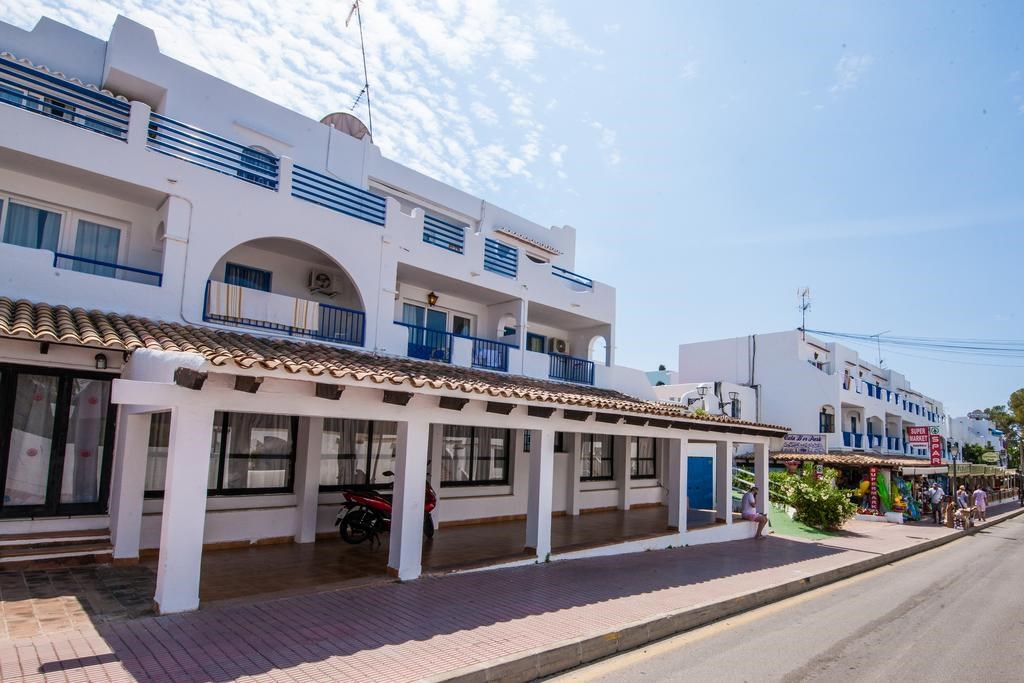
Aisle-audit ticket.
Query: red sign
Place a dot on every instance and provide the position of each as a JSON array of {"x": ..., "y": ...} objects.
[
  {"x": 917, "y": 435},
  {"x": 935, "y": 448},
  {"x": 873, "y": 490}
]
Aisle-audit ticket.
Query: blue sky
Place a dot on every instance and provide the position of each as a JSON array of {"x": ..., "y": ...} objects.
[{"x": 714, "y": 156}]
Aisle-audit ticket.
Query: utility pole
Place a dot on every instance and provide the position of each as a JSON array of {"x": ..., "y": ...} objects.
[{"x": 805, "y": 303}]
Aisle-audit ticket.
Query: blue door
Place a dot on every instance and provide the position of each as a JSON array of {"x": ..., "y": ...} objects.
[{"x": 700, "y": 482}]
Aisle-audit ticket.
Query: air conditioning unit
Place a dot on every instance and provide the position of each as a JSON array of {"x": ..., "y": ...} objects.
[
  {"x": 557, "y": 345},
  {"x": 321, "y": 283}
]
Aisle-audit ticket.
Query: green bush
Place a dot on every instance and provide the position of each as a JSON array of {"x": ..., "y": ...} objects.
[{"x": 818, "y": 502}]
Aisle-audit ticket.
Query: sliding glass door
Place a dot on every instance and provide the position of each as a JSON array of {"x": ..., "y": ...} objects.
[{"x": 56, "y": 431}]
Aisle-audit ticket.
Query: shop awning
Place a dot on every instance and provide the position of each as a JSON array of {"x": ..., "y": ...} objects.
[{"x": 925, "y": 470}]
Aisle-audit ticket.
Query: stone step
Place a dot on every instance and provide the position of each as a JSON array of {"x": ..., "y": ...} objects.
[{"x": 53, "y": 538}]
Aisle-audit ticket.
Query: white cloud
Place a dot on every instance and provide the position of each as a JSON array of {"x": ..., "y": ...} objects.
[
  {"x": 607, "y": 142},
  {"x": 849, "y": 71},
  {"x": 688, "y": 71},
  {"x": 434, "y": 67},
  {"x": 557, "y": 155}
]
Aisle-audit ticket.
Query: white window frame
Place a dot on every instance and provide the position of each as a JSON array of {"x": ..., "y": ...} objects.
[{"x": 449, "y": 312}]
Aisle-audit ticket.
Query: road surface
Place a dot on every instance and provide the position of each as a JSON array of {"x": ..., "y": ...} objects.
[{"x": 951, "y": 614}]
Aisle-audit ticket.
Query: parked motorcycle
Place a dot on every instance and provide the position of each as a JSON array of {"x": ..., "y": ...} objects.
[{"x": 366, "y": 513}]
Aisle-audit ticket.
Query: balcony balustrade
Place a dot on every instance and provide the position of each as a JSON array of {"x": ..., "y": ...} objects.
[
  {"x": 106, "y": 269},
  {"x": 574, "y": 278},
  {"x": 333, "y": 194},
  {"x": 427, "y": 344},
  {"x": 571, "y": 369},
  {"x": 500, "y": 258},
  {"x": 490, "y": 355},
  {"x": 234, "y": 305},
  {"x": 443, "y": 234}
]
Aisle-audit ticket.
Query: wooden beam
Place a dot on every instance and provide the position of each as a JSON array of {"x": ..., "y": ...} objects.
[
  {"x": 452, "y": 403},
  {"x": 331, "y": 392},
  {"x": 44, "y": 348},
  {"x": 500, "y": 408},
  {"x": 189, "y": 378},
  {"x": 665, "y": 424},
  {"x": 397, "y": 398},
  {"x": 607, "y": 418},
  {"x": 578, "y": 415},
  {"x": 539, "y": 411},
  {"x": 248, "y": 383},
  {"x": 635, "y": 420}
]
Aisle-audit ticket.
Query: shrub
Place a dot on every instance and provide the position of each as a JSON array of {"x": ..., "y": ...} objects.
[{"x": 818, "y": 502}]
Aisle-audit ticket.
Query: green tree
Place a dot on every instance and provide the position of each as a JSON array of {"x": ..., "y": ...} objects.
[
  {"x": 972, "y": 452},
  {"x": 1010, "y": 421}
]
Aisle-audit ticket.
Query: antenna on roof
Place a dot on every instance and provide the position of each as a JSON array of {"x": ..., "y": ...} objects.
[
  {"x": 805, "y": 304},
  {"x": 366, "y": 78}
]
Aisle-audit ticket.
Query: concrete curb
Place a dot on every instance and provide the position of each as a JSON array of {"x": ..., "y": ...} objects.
[{"x": 545, "y": 661}]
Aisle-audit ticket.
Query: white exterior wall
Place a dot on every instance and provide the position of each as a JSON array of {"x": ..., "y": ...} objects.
[{"x": 794, "y": 385}]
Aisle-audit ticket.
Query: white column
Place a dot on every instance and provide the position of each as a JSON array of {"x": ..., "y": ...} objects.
[
  {"x": 308, "y": 451},
  {"x": 138, "y": 124},
  {"x": 437, "y": 468},
  {"x": 761, "y": 476},
  {"x": 184, "y": 510},
  {"x": 573, "y": 498},
  {"x": 723, "y": 480},
  {"x": 623, "y": 475},
  {"x": 284, "y": 176},
  {"x": 405, "y": 553},
  {"x": 538, "y": 506},
  {"x": 677, "y": 484},
  {"x": 128, "y": 483}
]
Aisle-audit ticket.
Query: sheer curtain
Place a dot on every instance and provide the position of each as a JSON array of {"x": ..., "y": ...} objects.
[
  {"x": 86, "y": 436},
  {"x": 27, "y": 226},
  {"x": 99, "y": 243}
]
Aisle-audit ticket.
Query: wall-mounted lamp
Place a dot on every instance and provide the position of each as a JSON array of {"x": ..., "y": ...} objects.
[
  {"x": 431, "y": 299},
  {"x": 734, "y": 395},
  {"x": 101, "y": 361},
  {"x": 702, "y": 391}
]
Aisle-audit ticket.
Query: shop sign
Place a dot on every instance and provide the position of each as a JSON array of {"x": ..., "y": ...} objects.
[
  {"x": 804, "y": 443},
  {"x": 873, "y": 488},
  {"x": 990, "y": 457},
  {"x": 917, "y": 435},
  {"x": 935, "y": 448},
  {"x": 819, "y": 471}
]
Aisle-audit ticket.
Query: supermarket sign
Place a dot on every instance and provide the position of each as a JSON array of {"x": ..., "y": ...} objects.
[
  {"x": 917, "y": 435},
  {"x": 935, "y": 449}
]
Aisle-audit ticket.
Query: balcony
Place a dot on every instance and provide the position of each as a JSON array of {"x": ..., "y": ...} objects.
[
  {"x": 892, "y": 443},
  {"x": 336, "y": 195},
  {"x": 576, "y": 281},
  {"x": 570, "y": 369},
  {"x": 81, "y": 264},
  {"x": 235, "y": 305},
  {"x": 427, "y": 344},
  {"x": 33, "y": 90},
  {"x": 852, "y": 440},
  {"x": 445, "y": 347},
  {"x": 500, "y": 258},
  {"x": 443, "y": 234}
]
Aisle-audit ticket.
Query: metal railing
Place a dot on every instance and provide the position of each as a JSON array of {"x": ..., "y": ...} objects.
[
  {"x": 338, "y": 325},
  {"x": 489, "y": 354},
  {"x": 571, "y": 369},
  {"x": 575, "y": 278},
  {"x": 500, "y": 258},
  {"x": 36, "y": 91},
  {"x": 199, "y": 147},
  {"x": 106, "y": 269},
  {"x": 443, "y": 234},
  {"x": 427, "y": 344},
  {"x": 336, "y": 195}
]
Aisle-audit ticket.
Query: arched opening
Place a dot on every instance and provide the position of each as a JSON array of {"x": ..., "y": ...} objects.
[
  {"x": 597, "y": 350},
  {"x": 287, "y": 286},
  {"x": 508, "y": 328}
]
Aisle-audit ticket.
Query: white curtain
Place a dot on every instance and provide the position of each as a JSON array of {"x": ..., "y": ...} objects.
[
  {"x": 27, "y": 226},
  {"x": 99, "y": 243}
]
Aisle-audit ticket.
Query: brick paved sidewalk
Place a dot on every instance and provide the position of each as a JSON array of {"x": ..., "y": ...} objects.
[{"x": 401, "y": 632}]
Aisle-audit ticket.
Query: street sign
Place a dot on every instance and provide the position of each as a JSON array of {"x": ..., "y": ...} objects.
[
  {"x": 917, "y": 435},
  {"x": 804, "y": 443},
  {"x": 935, "y": 449}
]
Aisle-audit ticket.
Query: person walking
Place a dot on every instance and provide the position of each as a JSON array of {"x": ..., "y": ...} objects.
[
  {"x": 937, "y": 494},
  {"x": 750, "y": 511},
  {"x": 980, "y": 502}
]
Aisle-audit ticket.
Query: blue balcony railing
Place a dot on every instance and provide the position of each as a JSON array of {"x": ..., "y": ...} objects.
[
  {"x": 848, "y": 439},
  {"x": 199, "y": 147},
  {"x": 490, "y": 355},
  {"x": 443, "y": 234},
  {"x": 336, "y": 195},
  {"x": 572, "y": 277},
  {"x": 500, "y": 258},
  {"x": 106, "y": 269},
  {"x": 427, "y": 344},
  {"x": 571, "y": 369},
  {"x": 871, "y": 390},
  {"x": 33, "y": 90},
  {"x": 336, "y": 324}
]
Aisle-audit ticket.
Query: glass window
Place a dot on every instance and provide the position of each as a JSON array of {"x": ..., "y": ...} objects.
[
  {"x": 462, "y": 326},
  {"x": 535, "y": 342},
  {"x": 596, "y": 454},
  {"x": 86, "y": 440},
  {"x": 257, "y": 166},
  {"x": 357, "y": 453},
  {"x": 156, "y": 454},
  {"x": 643, "y": 457},
  {"x": 474, "y": 455},
  {"x": 32, "y": 433},
  {"x": 258, "y": 451},
  {"x": 28, "y": 226},
  {"x": 97, "y": 242},
  {"x": 246, "y": 276}
]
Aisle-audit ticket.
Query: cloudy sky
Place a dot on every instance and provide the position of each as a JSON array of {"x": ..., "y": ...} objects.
[{"x": 713, "y": 156}]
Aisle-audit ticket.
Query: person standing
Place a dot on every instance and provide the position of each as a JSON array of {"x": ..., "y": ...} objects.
[
  {"x": 980, "y": 502},
  {"x": 750, "y": 511},
  {"x": 937, "y": 495},
  {"x": 961, "y": 498}
]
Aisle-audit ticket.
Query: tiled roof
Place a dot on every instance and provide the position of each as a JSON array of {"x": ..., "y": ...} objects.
[
  {"x": 58, "y": 74},
  {"x": 861, "y": 459},
  {"x": 59, "y": 324}
]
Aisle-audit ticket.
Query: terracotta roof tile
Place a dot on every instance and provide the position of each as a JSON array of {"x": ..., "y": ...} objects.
[
  {"x": 43, "y": 322},
  {"x": 861, "y": 459}
]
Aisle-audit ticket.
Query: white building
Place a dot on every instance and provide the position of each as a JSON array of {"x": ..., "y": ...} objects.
[
  {"x": 187, "y": 264},
  {"x": 819, "y": 387},
  {"x": 975, "y": 430}
]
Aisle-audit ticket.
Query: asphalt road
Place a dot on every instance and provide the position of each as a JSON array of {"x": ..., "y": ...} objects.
[{"x": 951, "y": 614}]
